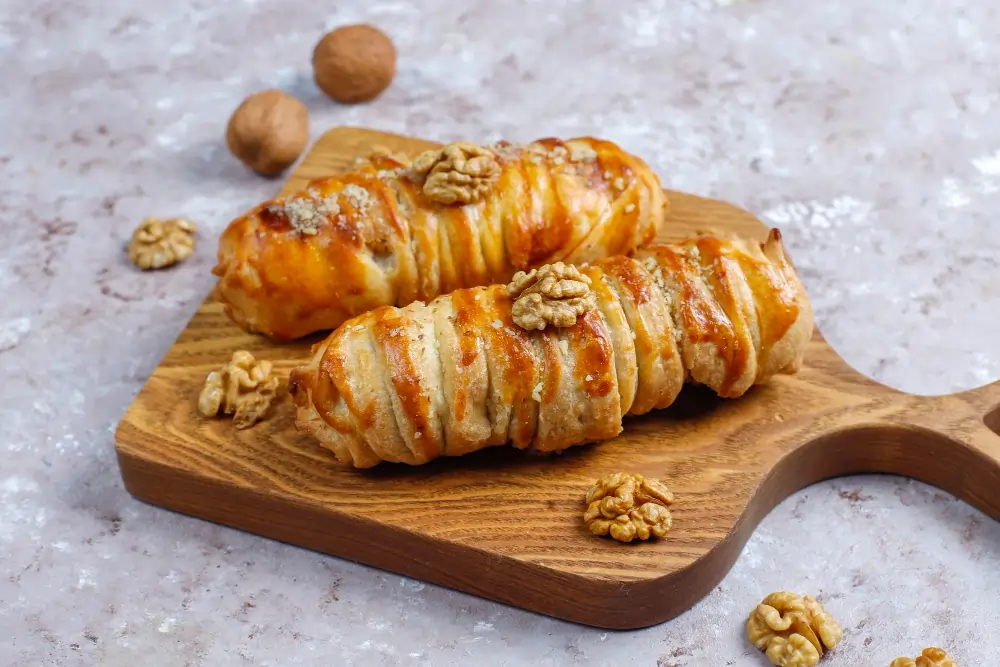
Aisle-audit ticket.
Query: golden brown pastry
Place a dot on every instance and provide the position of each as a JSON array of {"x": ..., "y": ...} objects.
[
  {"x": 391, "y": 232},
  {"x": 459, "y": 374}
]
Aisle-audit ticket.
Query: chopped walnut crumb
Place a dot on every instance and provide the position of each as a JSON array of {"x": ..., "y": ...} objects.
[
  {"x": 629, "y": 207},
  {"x": 929, "y": 657},
  {"x": 508, "y": 151},
  {"x": 619, "y": 183},
  {"x": 553, "y": 294},
  {"x": 607, "y": 175},
  {"x": 784, "y": 623},
  {"x": 536, "y": 392},
  {"x": 243, "y": 388},
  {"x": 381, "y": 152},
  {"x": 582, "y": 153},
  {"x": 360, "y": 199},
  {"x": 305, "y": 213},
  {"x": 458, "y": 173},
  {"x": 157, "y": 244},
  {"x": 628, "y": 506}
]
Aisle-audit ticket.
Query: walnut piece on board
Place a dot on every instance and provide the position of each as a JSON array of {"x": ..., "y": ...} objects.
[
  {"x": 628, "y": 506},
  {"x": 243, "y": 388}
]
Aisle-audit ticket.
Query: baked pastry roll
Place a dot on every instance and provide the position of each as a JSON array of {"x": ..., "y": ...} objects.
[
  {"x": 392, "y": 231},
  {"x": 557, "y": 357}
]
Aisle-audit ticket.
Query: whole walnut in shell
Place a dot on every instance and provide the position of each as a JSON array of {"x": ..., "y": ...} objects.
[
  {"x": 354, "y": 63},
  {"x": 268, "y": 132}
]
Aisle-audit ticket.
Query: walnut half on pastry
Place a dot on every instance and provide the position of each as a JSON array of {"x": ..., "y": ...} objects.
[{"x": 459, "y": 374}]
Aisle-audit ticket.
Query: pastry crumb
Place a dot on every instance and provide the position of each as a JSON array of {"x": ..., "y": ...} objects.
[{"x": 536, "y": 393}]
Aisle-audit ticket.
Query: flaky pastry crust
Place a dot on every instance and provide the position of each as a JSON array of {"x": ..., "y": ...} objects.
[
  {"x": 457, "y": 374},
  {"x": 391, "y": 232}
]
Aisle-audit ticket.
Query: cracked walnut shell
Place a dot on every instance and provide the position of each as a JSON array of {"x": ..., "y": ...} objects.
[
  {"x": 929, "y": 657},
  {"x": 627, "y": 506},
  {"x": 157, "y": 244},
  {"x": 243, "y": 388},
  {"x": 458, "y": 173},
  {"x": 554, "y": 294},
  {"x": 782, "y": 617}
]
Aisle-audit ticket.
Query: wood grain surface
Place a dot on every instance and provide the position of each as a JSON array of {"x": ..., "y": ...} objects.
[{"x": 505, "y": 525}]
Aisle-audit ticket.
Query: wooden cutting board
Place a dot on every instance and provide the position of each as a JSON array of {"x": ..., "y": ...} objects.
[{"x": 504, "y": 525}]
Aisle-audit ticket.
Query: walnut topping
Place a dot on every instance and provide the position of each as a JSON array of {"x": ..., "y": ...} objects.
[
  {"x": 554, "y": 294},
  {"x": 379, "y": 152},
  {"x": 929, "y": 657},
  {"x": 157, "y": 244},
  {"x": 243, "y": 388},
  {"x": 508, "y": 151},
  {"x": 582, "y": 154},
  {"x": 786, "y": 626},
  {"x": 628, "y": 506},
  {"x": 305, "y": 213},
  {"x": 359, "y": 197},
  {"x": 458, "y": 173},
  {"x": 536, "y": 392}
]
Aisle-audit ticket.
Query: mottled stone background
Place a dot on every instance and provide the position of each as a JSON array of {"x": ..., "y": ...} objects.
[{"x": 870, "y": 131}]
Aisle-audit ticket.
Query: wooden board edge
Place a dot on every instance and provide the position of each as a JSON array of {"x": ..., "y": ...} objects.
[{"x": 593, "y": 601}]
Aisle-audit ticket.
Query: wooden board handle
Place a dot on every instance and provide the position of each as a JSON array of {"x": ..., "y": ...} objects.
[{"x": 950, "y": 441}]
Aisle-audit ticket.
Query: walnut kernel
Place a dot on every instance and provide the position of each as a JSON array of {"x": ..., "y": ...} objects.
[
  {"x": 627, "y": 506},
  {"x": 157, "y": 244},
  {"x": 458, "y": 173},
  {"x": 243, "y": 388},
  {"x": 268, "y": 132},
  {"x": 783, "y": 617},
  {"x": 554, "y": 294},
  {"x": 796, "y": 651},
  {"x": 929, "y": 657},
  {"x": 354, "y": 63}
]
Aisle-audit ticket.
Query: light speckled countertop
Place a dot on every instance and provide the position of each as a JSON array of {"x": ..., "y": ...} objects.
[{"x": 868, "y": 131}]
